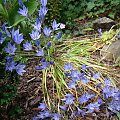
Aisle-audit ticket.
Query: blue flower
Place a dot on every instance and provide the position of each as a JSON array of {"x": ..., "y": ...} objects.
[
  {"x": 42, "y": 106},
  {"x": 37, "y": 43},
  {"x": 80, "y": 112},
  {"x": 68, "y": 66},
  {"x": 47, "y": 31},
  {"x": 107, "y": 82},
  {"x": 27, "y": 46},
  {"x": 1, "y": 38},
  {"x": 59, "y": 35},
  {"x": 23, "y": 11},
  {"x": 5, "y": 2},
  {"x": 44, "y": 2},
  {"x": 55, "y": 25},
  {"x": 84, "y": 79},
  {"x": 10, "y": 49},
  {"x": 75, "y": 75},
  {"x": 110, "y": 92},
  {"x": 85, "y": 97},
  {"x": 9, "y": 59},
  {"x": 0, "y": 35},
  {"x": 100, "y": 101},
  {"x": 56, "y": 116},
  {"x": 4, "y": 28},
  {"x": 67, "y": 74},
  {"x": 20, "y": 69},
  {"x": 84, "y": 67},
  {"x": 40, "y": 52},
  {"x": 114, "y": 92},
  {"x": 10, "y": 64},
  {"x": 72, "y": 84},
  {"x": 106, "y": 92},
  {"x": 37, "y": 25},
  {"x": 48, "y": 44},
  {"x": 44, "y": 114},
  {"x": 20, "y": 3},
  {"x": 35, "y": 35},
  {"x": 69, "y": 100},
  {"x": 114, "y": 105},
  {"x": 117, "y": 95},
  {"x": 43, "y": 65},
  {"x": 51, "y": 62},
  {"x": 18, "y": 38},
  {"x": 91, "y": 107},
  {"x": 42, "y": 12},
  {"x": 96, "y": 76},
  {"x": 99, "y": 31},
  {"x": 43, "y": 60}
]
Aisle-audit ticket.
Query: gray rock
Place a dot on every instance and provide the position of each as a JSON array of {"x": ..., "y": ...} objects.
[
  {"x": 104, "y": 23},
  {"x": 111, "y": 52}
]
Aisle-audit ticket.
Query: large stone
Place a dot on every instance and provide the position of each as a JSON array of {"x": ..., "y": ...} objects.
[
  {"x": 111, "y": 52},
  {"x": 104, "y": 23}
]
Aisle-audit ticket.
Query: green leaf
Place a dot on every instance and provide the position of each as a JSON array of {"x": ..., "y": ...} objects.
[
  {"x": 2, "y": 11},
  {"x": 118, "y": 114},
  {"x": 15, "y": 17},
  {"x": 1, "y": 1},
  {"x": 90, "y": 6},
  {"x": 112, "y": 15}
]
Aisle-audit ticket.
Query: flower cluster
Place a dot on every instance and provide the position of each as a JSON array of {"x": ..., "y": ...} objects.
[
  {"x": 16, "y": 38},
  {"x": 81, "y": 103},
  {"x": 40, "y": 47},
  {"x": 107, "y": 91},
  {"x": 45, "y": 113},
  {"x": 11, "y": 65}
]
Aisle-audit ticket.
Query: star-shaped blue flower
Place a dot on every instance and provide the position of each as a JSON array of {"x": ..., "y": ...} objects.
[
  {"x": 42, "y": 12},
  {"x": 69, "y": 100},
  {"x": 40, "y": 52},
  {"x": 1, "y": 39},
  {"x": 72, "y": 84},
  {"x": 47, "y": 31},
  {"x": 20, "y": 69},
  {"x": 55, "y": 25},
  {"x": 44, "y": 2},
  {"x": 59, "y": 35},
  {"x": 10, "y": 64},
  {"x": 48, "y": 44},
  {"x": 56, "y": 116},
  {"x": 37, "y": 25},
  {"x": 23, "y": 11},
  {"x": 27, "y": 46},
  {"x": 96, "y": 76},
  {"x": 42, "y": 106},
  {"x": 10, "y": 49},
  {"x": 18, "y": 38},
  {"x": 92, "y": 106},
  {"x": 35, "y": 35},
  {"x": 68, "y": 66},
  {"x": 85, "y": 97}
]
